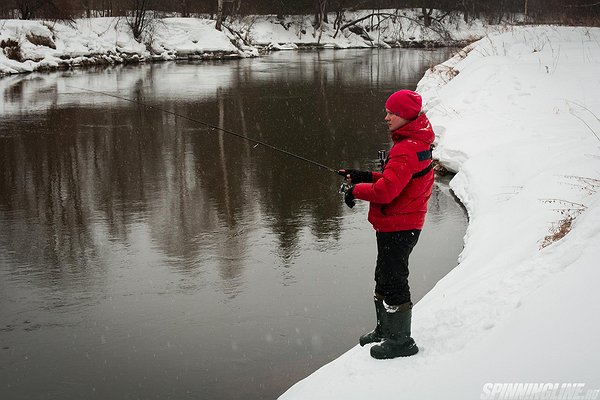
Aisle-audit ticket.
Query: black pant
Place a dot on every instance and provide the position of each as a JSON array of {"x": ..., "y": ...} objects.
[{"x": 391, "y": 272}]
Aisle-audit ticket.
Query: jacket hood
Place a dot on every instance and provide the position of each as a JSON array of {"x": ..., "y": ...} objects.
[{"x": 419, "y": 129}]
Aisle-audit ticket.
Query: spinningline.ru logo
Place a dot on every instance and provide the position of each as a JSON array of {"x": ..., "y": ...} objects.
[{"x": 538, "y": 391}]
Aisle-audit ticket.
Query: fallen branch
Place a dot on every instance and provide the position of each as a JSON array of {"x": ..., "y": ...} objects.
[
  {"x": 233, "y": 32},
  {"x": 441, "y": 32},
  {"x": 379, "y": 14}
]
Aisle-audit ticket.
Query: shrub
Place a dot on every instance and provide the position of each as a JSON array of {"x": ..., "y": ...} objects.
[
  {"x": 41, "y": 40},
  {"x": 11, "y": 49}
]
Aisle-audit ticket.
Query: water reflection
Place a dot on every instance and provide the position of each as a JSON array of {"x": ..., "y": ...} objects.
[
  {"x": 136, "y": 229},
  {"x": 69, "y": 156}
]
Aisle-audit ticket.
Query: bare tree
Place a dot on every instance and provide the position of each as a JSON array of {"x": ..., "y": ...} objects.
[
  {"x": 27, "y": 8},
  {"x": 339, "y": 15},
  {"x": 102, "y": 8},
  {"x": 185, "y": 8},
  {"x": 320, "y": 17},
  {"x": 426, "y": 16},
  {"x": 49, "y": 9},
  {"x": 320, "y": 13},
  {"x": 236, "y": 7},
  {"x": 138, "y": 17},
  {"x": 566, "y": 11},
  {"x": 219, "y": 15}
]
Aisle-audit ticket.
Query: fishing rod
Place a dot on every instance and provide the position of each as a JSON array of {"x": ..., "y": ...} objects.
[{"x": 214, "y": 127}]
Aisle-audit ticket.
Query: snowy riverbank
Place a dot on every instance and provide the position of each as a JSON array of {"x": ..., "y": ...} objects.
[
  {"x": 40, "y": 45},
  {"x": 517, "y": 115}
]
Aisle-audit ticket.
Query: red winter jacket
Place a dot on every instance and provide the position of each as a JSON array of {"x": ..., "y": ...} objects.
[{"x": 399, "y": 202}]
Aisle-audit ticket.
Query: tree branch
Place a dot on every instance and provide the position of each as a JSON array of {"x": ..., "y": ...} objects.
[
  {"x": 582, "y": 5},
  {"x": 349, "y": 24}
]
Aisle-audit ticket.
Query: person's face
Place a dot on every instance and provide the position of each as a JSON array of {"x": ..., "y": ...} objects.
[{"x": 393, "y": 121}]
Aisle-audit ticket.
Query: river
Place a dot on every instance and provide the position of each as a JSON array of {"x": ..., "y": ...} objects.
[{"x": 145, "y": 256}]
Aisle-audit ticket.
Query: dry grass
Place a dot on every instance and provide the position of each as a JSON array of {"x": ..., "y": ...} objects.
[
  {"x": 439, "y": 168},
  {"x": 11, "y": 49},
  {"x": 569, "y": 211},
  {"x": 585, "y": 184},
  {"x": 8, "y": 43},
  {"x": 558, "y": 231},
  {"x": 41, "y": 41}
]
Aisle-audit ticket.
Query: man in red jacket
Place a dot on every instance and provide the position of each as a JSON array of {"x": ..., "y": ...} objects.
[{"x": 397, "y": 206}]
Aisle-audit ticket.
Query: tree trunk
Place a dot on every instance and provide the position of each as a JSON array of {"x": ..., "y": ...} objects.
[
  {"x": 88, "y": 9},
  {"x": 107, "y": 8},
  {"x": 185, "y": 8},
  {"x": 339, "y": 17},
  {"x": 219, "y": 15},
  {"x": 320, "y": 13},
  {"x": 139, "y": 21},
  {"x": 26, "y": 9},
  {"x": 426, "y": 17}
]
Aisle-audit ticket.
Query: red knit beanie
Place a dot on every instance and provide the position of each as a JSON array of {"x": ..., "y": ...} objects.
[{"x": 405, "y": 104}]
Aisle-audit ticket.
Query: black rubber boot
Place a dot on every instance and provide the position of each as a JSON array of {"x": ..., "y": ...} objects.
[
  {"x": 398, "y": 343},
  {"x": 378, "y": 333}
]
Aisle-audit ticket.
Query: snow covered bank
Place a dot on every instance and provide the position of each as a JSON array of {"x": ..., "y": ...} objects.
[
  {"x": 384, "y": 28},
  {"x": 518, "y": 116},
  {"x": 34, "y": 45}
]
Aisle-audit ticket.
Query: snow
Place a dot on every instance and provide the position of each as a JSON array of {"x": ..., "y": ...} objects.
[
  {"x": 190, "y": 36},
  {"x": 390, "y": 27},
  {"x": 517, "y": 116},
  {"x": 110, "y": 40}
]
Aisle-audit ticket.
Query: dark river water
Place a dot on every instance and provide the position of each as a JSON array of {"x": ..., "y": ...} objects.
[{"x": 143, "y": 256}]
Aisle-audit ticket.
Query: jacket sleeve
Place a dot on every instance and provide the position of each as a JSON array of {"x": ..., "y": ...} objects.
[
  {"x": 398, "y": 172},
  {"x": 376, "y": 175}
]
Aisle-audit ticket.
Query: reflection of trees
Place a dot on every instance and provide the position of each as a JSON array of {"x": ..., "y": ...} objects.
[
  {"x": 199, "y": 212},
  {"x": 200, "y": 192},
  {"x": 42, "y": 181}
]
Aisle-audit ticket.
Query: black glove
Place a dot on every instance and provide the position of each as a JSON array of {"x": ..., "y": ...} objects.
[
  {"x": 349, "y": 197},
  {"x": 357, "y": 176}
]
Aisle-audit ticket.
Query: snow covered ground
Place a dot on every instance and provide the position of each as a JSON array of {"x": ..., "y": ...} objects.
[
  {"x": 47, "y": 45},
  {"x": 518, "y": 117},
  {"x": 387, "y": 28},
  {"x": 27, "y": 46}
]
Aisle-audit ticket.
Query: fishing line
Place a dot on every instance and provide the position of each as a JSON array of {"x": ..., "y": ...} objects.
[{"x": 211, "y": 126}]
